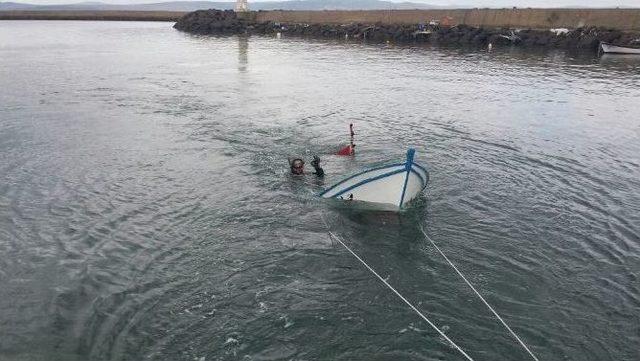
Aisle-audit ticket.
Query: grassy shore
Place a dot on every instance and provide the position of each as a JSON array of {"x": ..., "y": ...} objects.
[{"x": 93, "y": 15}]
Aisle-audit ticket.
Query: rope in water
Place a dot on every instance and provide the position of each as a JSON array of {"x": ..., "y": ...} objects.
[
  {"x": 399, "y": 295},
  {"x": 478, "y": 294}
]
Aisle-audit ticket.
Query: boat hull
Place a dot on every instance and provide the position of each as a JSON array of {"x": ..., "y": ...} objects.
[
  {"x": 614, "y": 49},
  {"x": 391, "y": 186}
]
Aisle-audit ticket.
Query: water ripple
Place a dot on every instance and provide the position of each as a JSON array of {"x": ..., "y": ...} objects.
[{"x": 146, "y": 210}]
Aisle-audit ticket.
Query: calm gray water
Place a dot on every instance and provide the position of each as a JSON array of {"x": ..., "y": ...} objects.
[{"x": 146, "y": 212}]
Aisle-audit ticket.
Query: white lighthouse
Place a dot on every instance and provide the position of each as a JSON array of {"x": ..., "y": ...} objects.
[{"x": 242, "y": 6}]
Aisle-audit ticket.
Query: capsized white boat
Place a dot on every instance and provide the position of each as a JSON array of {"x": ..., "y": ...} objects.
[
  {"x": 614, "y": 49},
  {"x": 391, "y": 186}
]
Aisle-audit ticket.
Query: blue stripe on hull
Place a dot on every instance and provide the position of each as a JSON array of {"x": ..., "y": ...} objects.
[
  {"x": 368, "y": 180},
  {"x": 407, "y": 167},
  {"x": 358, "y": 174}
]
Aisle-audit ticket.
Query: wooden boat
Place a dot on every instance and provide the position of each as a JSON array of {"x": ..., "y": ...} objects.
[
  {"x": 390, "y": 186},
  {"x": 614, "y": 49}
]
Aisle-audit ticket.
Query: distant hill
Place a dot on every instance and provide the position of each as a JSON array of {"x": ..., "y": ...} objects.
[
  {"x": 196, "y": 5},
  {"x": 4, "y": 6}
]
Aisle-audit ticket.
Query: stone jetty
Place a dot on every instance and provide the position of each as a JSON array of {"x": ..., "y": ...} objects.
[{"x": 218, "y": 22}]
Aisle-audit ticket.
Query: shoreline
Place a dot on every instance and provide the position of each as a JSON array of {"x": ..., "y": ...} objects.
[
  {"x": 118, "y": 15},
  {"x": 588, "y": 39},
  {"x": 453, "y": 27},
  {"x": 621, "y": 19}
]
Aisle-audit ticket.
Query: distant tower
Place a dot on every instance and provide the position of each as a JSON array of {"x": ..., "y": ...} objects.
[{"x": 241, "y": 6}]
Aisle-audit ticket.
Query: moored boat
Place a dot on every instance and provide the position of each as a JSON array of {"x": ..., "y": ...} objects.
[
  {"x": 615, "y": 49},
  {"x": 391, "y": 186}
]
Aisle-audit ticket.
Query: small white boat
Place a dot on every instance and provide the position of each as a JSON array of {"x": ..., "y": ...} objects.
[
  {"x": 391, "y": 186},
  {"x": 614, "y": 49}
]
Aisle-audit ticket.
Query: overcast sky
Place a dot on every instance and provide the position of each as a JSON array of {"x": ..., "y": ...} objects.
[{"x": 465, "y": 3}]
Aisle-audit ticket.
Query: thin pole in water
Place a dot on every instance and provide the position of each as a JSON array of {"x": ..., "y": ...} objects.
[
  {"x": 479, "y": 295},
  {"x": 333, "y": 236}
]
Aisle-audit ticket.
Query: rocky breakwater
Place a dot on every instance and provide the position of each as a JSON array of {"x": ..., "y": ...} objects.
[
  {"x": 228, "y": 22},
  {"x": 212, "y": 22}
]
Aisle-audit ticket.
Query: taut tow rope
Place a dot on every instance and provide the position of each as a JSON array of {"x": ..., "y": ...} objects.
[
  {"x": 478, "y": 294},
  {"x": 399, "y": 295},
  {"x": 339, "y": 240}
]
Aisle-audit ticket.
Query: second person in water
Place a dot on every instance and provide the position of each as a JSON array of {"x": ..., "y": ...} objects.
[{"x": 297, "y": 166}]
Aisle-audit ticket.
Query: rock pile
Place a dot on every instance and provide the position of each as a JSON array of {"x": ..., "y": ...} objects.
[
  {"x": 209, "y": 22},
  {"x": 227, "y": 22}
]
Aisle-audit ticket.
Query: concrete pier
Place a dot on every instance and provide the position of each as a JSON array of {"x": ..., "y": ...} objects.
[
  {"x": 537, "y": 19},
  {"x": 619, "y": 19}
]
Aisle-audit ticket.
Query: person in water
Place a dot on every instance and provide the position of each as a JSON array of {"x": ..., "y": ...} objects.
[
  {"x": 351, "y": 148},
  {"x": 315, "y": 163},
  {"x": 297, "y": 166}
]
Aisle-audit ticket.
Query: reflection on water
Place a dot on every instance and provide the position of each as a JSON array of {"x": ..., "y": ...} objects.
[
  {"x": 243, "y": 53},
  {"x": 146, "y": 210},
  {"x": 626, "y": 61}
]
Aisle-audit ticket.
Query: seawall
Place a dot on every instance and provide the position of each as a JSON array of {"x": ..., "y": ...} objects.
[
  {"x": 93, "y": 15},
  {"x": 619, "y": 19},
  {"x": 586, "y": 38}
]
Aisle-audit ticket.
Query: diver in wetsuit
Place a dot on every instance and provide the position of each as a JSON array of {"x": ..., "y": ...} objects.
[
  {"x": 315, "y": 163},
  {"x": 297, "y": 166}
]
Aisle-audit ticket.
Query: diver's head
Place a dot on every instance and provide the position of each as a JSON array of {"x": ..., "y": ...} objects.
[{"x": 297, "y": 166}]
